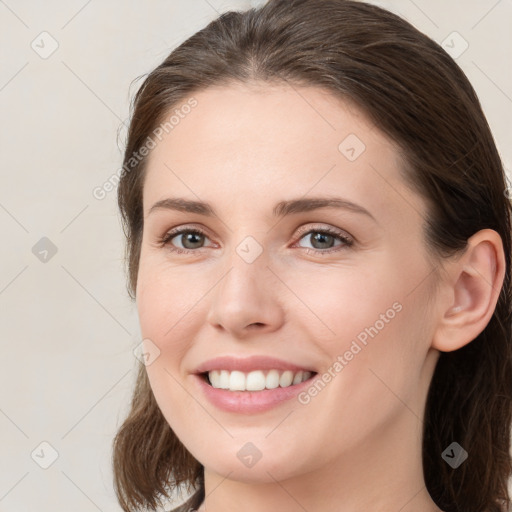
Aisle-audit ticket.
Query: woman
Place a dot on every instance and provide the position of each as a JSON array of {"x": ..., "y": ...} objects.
[{"x": 318, "y": 243}]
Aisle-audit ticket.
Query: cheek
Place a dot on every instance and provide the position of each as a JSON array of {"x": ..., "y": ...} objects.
[
  {"x": 373, "y": 361},
  {"x": 341, "y": 303},
  {"x": 366, "y": 321},
  {"x": 167, "y": 299}
]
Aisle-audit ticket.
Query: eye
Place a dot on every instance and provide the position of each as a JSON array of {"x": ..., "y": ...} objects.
[
  {"x": 323, "y": 238},
  {"x": 190, "y": 239}
]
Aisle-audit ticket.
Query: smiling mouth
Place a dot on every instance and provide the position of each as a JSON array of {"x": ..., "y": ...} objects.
[{"x": 257, "y": 380}]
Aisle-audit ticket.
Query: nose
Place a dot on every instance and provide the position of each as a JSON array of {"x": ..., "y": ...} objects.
[{"x": 247, "y": 299}]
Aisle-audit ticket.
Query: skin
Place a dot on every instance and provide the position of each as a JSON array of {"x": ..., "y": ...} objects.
[{"x": 357, "y": 444}]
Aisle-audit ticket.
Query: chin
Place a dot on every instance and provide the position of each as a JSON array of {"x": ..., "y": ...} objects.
[
  {"x": 239, "y": 466},
  {"x": 260, "y": 473}
]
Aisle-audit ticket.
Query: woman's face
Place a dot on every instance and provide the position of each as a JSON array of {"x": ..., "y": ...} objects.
[{"x": 354, "y": 309}]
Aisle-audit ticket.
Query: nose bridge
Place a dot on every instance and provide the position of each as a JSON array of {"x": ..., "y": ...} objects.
[
  {"x": 246, "y": 253},
  {"x": 245, "y": 294},
  {"x": 247, "y": 270}
]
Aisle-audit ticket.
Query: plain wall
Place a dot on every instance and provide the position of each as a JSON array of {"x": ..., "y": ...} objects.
[{"x": 67, "y": 326}]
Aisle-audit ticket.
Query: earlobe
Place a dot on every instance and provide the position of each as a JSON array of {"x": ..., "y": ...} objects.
[{"x": 477, "y": 279}]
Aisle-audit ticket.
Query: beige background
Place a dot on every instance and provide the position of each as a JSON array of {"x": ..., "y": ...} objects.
[{"x": 67, "y": 326}]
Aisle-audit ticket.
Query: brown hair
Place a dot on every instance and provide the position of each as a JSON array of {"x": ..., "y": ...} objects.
[{"x": 416, "y": 94}]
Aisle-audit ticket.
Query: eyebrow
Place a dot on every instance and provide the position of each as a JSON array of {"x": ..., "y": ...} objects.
[{"x": 281, "y": 209}]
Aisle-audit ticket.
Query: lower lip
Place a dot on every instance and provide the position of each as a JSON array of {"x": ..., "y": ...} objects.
[{"x": 248, "y": 402}]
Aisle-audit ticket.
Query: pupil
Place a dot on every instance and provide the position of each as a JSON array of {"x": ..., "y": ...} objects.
[
  {"x": 187, "y": 238},
  {"x": 320, "y": 236}
]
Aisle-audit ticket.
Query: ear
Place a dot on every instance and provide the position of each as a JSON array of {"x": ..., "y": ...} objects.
[{"x": 475, "y": 281}]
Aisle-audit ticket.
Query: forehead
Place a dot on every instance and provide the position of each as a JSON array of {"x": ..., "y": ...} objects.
[
  {"x": 268, "y": 120},
  {"x": 259, "y": 143}
]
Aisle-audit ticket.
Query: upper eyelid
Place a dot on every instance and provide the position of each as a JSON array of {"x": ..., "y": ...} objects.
[{"x": 303, "y": 230}]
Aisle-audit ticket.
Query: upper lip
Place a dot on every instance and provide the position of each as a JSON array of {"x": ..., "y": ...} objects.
[{"x": 248, "y": 364}]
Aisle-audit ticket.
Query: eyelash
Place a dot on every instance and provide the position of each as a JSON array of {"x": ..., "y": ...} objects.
[{"x": 348, "y": 242}]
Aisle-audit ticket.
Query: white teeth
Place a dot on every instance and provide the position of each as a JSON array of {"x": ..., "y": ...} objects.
[
  {"x": 272, "y": 380},
  {"x": 298, "y": 378},
  {"x": 237, "y": 381},
  {"x": 224, "y": 379},
  {"x": 286, "y": 379},
  {"x": 255, "y": 380},
  {"x": 214, "y": 378}
]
